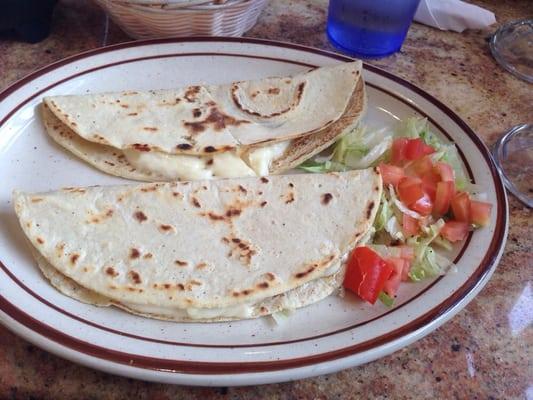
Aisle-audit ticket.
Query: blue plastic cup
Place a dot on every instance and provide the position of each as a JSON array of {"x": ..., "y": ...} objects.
[{"x": 370, "y": 28}]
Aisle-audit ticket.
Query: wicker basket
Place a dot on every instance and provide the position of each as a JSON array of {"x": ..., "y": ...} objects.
[{"x": 150, "y": 19}]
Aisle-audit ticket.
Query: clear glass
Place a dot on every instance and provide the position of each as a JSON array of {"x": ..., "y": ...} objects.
[
  {"x": 369, "y": 28},
  {"x": 513, "y": 154},
  {"x": 512, "y": 47}
]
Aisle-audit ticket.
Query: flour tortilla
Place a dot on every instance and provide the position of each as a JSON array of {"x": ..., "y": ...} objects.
[
  {"x": 202, "y": 244},
  {"x": 206, "y": 119},
  {"x": 302, "y": 296}
]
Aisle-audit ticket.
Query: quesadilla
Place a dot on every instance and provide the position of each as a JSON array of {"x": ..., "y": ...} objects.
[
  {"x": 206, "y": 250},
  {"x": 240, "y": 129}
]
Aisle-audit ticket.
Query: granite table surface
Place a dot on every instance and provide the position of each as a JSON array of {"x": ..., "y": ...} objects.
[{"x": 485, "y": 352}]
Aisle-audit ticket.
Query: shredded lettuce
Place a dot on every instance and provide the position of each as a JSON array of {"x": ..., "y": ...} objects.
[
  {"x": 386, "y": 220},
  {"x": 282, "y": 316},
  {"x": 362, "y": 148},
  {"x": 386, "y": 299},
  {"x": 402, "y": 207},
  {"x": 448, "y": 153},
  {"x": 322, "y": 166},
  {"x": 412, "y": 128}
]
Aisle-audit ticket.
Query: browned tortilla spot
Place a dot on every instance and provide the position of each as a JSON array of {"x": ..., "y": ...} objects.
[
  {"x": 289, "y": 198},
  {"x": 74, "y": 258},
  {"x": 263, "y": 310},
  {"x": 124, "y": 106},
  {"x": 233, "y": 212},
  {"x": 306, "y": 272},
  {"x": 291, "y": 185},
  {"x": 147, "y": 189},
  {"x": 147, "y": 256},
  {"x": 141, "y": 147},
  {"x": 165, "y": 227},
  {"x": 369, "y": 209},
  {"x": 36, "y": 199},
  {"x": 236, "y": 240},
  {"x": 209, "y": 149},
  {"x": 40, "y": 240},
  {"x": 270, "y": 276},
  {"x": 195, "y": 202},
  {"x": 135, "y": 277},
  {"x": 134, "y": 253},
  {"x": 264, "y": 180},
  {"x": 133, "y": 114},
  {"x": 196, "y": 113},
  {"x": 180, "y": 286},
  {"x": 109, "y": 163},
  {"x": 263, "y": 203},
  {"x": 216, "y": 119},
  {"x": 246, "y": 292},
  {"x": 167, "y": 285},
  {"x": 140, "y": 216},
  {"x": 242, "y": 189},
  {"x": 273, "y": 91},
  {"x": 181, "y": 263},
  {"x": 184, "y": 146},
  {"x": 376, "y": 188},
  {"x": 263, "y": 285},
  {"x": 190, "y": 93},
  {"x": 209, "y": 162},
  {"x": 150, "y": 128},
  {"x": 201, "y": 265},
  {"x": 111, "y": 272},
  {"x": 326, "y": 198}
]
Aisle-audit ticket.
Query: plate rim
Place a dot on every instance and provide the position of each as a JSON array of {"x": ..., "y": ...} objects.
[{"x": 433, "y": 317}]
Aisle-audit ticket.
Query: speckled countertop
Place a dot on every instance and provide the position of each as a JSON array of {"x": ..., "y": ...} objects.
[{"x": 485, "y": 352}]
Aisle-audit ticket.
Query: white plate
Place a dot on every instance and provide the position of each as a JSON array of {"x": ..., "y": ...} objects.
[{"x": 333, "y": 334}]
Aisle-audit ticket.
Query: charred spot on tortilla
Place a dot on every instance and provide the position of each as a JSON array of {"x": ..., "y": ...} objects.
[
  {"x": 233, "y": 212},
  {"x": 263, "y": 285},
  {"x": 270, "y": 276},
  {"x": 209, "y": 149},
  {"x": 140, "y": 216},
  {"x": 111, "y": 272},
  {"x": 135, "y": 277},
  {"x": 166, "y": 228},
  {"x": 273, "y": 90},
  {"x": 40, "y": 240},
  {"x": 134, "y": 253},
  {"x": 306, "y": 272},
  {"x": 201, "y": 265},
  {"x": 196, "y": 113},
  {"x": 195, "y": 202},
  {"x": 148, "y": 256},
  {"x": 36, "y": 199},
  {"x": 74, "y": 258},
  {"x": 242, "y": 189},
  {"x": 289, "y": 198},
  {"x": 209, "y": 162},
  {"x": 132, "y": 114},
  {"x": 181, "y": 263},
  {"x": 369, "y": 209},
  {"x": 291, "y": 185},
  {"x": 263, "y": 203},
  {"x": 376, "y": 188},
  {"x": 264, "y": 180},
  {"x": 184, "y": 146},
  {"x": 150, "y": 128},
  {"x": 326, "y": 198},
  {"x": 191, "y": 93},
  {"x": 141, "y": 147},
  {"x": 180, "y": 286}
]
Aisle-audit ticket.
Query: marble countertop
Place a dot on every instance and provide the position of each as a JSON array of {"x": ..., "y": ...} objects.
[{"x": 485, "y": 352}]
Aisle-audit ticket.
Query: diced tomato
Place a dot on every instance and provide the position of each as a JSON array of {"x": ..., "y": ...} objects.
[
  {"x": 405, "y": 271},
  {"x": 397, "y": 265},
  {"x": 461, "y": 207},
  {"x": 480, "y": 212},
  {"x": 455, "y": 231},
  {"x": 410, "y": 190},
  {"x": 445, "y": 171},
  {"x": 443, "y": 198},
  {"x": 416, "y": 148},
  {"x": 398, "y": 150},
  {"x": 409, "y": 225},
  {"x": 366, "y": 274},
  {"x": 391, "y": 174},
  {"x": 419, "y": 167},
  {"x": 423, "y": 205},
  {"x": 429, "y": 183}
]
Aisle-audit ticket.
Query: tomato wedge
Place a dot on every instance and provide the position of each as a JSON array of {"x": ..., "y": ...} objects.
[
  {"x": 366, "y": 274},
  {"x": 391, "y": 174},
  {"x": 398, "y": 150},
  {"x": 409, "y": 225},
  {"x": 445, "y": 171},
  {"x": 416, "y": 148},
  {"x": 480, "y": 212},
  {"x": 410, "y": 190},
  {"x": 461, "y": 207},
  {"x": 423, "y": 205},
  {"x": 419, "y": 167},
  {"x": 392, "y": 284},
  {"x": 443, "y": 198},
  {"x": 455, "y": 231}
]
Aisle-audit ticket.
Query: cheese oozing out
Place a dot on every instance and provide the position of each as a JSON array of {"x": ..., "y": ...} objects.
[{"x": 221, "y": 165}]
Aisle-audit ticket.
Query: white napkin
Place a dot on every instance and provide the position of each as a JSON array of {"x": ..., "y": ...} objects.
[{"x": 455, "y": 15}]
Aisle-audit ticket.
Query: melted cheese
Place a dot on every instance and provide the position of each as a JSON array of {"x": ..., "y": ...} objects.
[{"x": 222, "y": 165}]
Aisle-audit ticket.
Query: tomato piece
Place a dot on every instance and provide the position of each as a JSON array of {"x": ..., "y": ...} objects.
[
  {"x": 455, "y": 231},
  {"x": 443, "y": 198},
  {"x": 398, "y": 150},
  {"x": 405, "y": 271},
  {"x": 391, "y": 174},
  {"x": 409, "y": 225},
  {"x": 416, "y": 148},
  {"x": 392, "y": 284},
  {"x": 419, "y": 167},
  {"x": 480, "y": 212},
  {"x": 423, "y": 205},
  {"x": 429, "y": 184},
  {"x": 366, "y": 274},
  {"x": 461, "y": 207},
  {"x": 410, "y": 190},
  {"x": 445, "y": 171}
]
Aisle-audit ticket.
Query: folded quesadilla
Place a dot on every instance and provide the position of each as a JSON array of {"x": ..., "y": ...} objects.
[
  {"x": 207, "y": 250},
  {"x": 240, "y": 129}
]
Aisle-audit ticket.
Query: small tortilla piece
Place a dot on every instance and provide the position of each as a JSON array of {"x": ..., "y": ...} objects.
[
  {"x": 203, "y": 120},
  {"x": 201, "y": 244}
]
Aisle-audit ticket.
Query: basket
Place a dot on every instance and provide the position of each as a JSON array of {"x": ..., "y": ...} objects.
[{"x": 143, "y": 19}]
